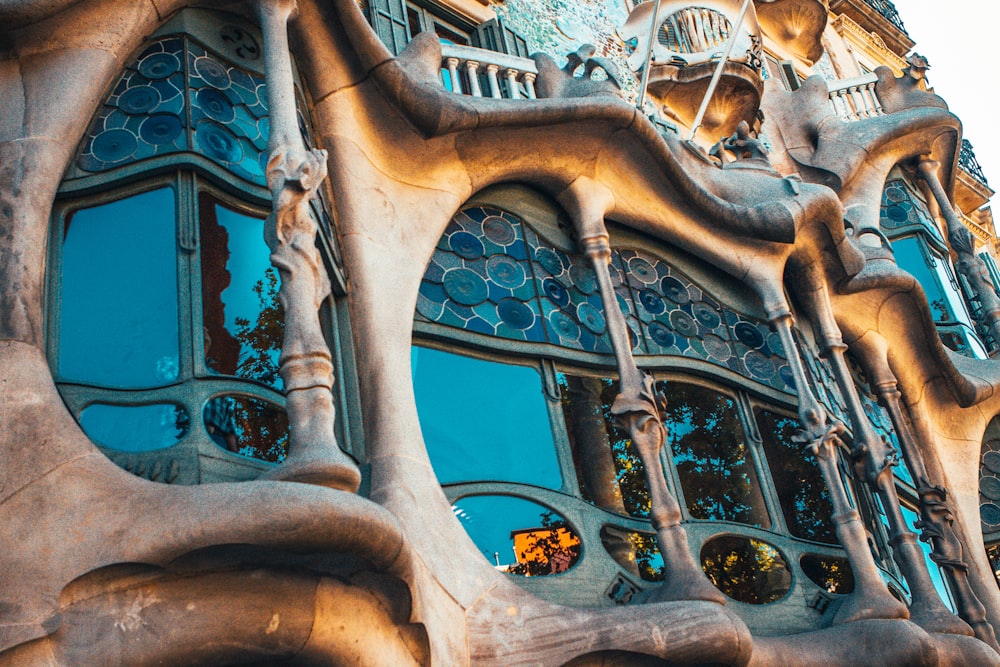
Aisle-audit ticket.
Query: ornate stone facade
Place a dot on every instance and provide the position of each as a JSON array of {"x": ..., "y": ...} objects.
[{"x": 362, "y": 333}]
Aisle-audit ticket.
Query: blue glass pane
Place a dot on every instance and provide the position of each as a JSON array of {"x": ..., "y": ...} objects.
[
  {"x": 135, "y": 428},
  {"x": 911, "y": 259},
  {"x": 483, "y": 420},
  {"x": 243, "y": 319},
  {"x": 518, "y": 536},
  {"x": 118, "y": 311}
]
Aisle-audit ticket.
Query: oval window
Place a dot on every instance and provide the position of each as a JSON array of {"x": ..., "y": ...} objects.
[
  {"x": 135, "y": 428},
  {"x": 746, "y": 569},
  {"x": 832, "y": 574},
  {"x": 518, "y": 536}
]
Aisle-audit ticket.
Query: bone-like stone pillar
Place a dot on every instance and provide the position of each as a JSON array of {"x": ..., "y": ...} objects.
[
  {"x": 294, "y": 174},
  {"x": 638, "y": 407},
  {"x": 820, "y": 434},
  {"x": 874, "y": 459},
  {"x": 960, "y": 239}
]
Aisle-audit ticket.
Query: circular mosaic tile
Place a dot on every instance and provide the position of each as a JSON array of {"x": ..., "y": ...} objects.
[
  {"x": 675, "y": 290},
  {"x": 114, "y": 145},
  {"x": 140, "y": 99},
  {"x": 895, "y": 194},
  {"x": 564, "y": 325},
  {"x": 591, "y": 317},
  {"x": 159, "y": 65},
  {"x": 989, "y": 514},
  {"x": 515, "y": 313},
  {"x": 660, "y": 334},
  {"x": 749, "y": 335},
  {"x": 505, "y": 271},
  {"x": 216, "y": 105},
  {"x": 897, "y": 213},
  {"x": 550, "y": 260},
  {"x": 466, "y": 245},
  {"x": 706, "y": 314},
  {"x": 990, "y": 487},
  {"x": 758, "y": 365},
  {"x": 716, "y": 347},
  {"x": 642, "y": 270},
  {"x": 161, "y": 128},
  {"x": 555, "y": 291},
  {"x": 992, "y": 461},
  {"x": 499, "y": 230},
  {"x": 465, "y": 287},
  {"x": 684, "y": 324},
  {"x": 652, "y": 302},
  {"x": 212, "y": 71},
  {"x": 218, "y": 143}
]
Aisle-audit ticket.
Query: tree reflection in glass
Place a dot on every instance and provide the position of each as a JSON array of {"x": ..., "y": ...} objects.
[
  {"x": 805, "y": 500},
  {"x": 711, "y": 455},
  {"x": 518, "y": 536},
  {"x": 243, "y": 319},
  {"x": 746, "y": 569},
  {"x": 635, "y": 552},
  {"x": 610, "y": 472},
  {"x": 118, "y": 308},
  {"x": 483, "y": 421},
  {"x": 248, "y": 427}
]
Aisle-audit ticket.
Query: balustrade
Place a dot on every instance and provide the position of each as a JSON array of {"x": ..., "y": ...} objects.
[
  {"x": 467, "y": 70},
  {"x": 854, "y": 99}
]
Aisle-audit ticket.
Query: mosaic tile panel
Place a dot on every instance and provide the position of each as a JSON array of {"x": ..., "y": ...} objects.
[
  {"x": 559, "y": 27},
  {"x": 900, "y": 208},
  {"x": 989, "y": 487},
  {"x": 178, "y": 96},
  {"x": 493, "y": 275}
]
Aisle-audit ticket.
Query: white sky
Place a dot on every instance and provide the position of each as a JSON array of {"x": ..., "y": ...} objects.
[{"x": 959, "y": 39}]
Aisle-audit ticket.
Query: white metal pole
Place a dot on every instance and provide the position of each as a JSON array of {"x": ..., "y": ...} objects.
[
  {"x": 718, "y": 71},
  {"x": 649, "y": 56}
]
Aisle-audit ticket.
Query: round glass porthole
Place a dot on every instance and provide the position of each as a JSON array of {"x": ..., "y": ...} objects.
[{"x": 746, "y": 569}]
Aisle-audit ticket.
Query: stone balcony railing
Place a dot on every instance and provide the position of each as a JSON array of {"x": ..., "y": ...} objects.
[
  {"x": 467, "y": 70},
  {"x": 854, "y": 99}
]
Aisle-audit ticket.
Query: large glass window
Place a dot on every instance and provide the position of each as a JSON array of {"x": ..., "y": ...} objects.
[{"x": 165, "y": 327}]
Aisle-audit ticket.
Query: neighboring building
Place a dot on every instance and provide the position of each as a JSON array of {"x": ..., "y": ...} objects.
[{"x": 443, "y": 332}]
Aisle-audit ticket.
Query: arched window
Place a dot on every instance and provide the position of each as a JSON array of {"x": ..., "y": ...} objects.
[
  {"x": 514, "y": 381},
  {"x": 164, "y": 323}
]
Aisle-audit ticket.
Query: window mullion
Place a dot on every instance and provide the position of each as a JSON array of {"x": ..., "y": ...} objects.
[
  {"x": 560, "y": 437},
  {"x": 189, "y": 276},
  {"x": 756, "y": 444}
]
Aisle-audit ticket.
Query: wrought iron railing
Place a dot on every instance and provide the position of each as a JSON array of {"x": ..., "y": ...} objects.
[
  {"x": 967, "y": 161},
  {"x": 888, "y": 10},
  {"x": 854, "y": 99}
]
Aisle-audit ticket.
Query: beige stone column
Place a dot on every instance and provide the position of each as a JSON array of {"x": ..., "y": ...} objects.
[{"x": 294, "y": 174}]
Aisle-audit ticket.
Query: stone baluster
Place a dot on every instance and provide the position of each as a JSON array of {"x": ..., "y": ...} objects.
[
  {"x": 472, "y": 70},
  {"x": 873, "y": 460},
  {"x": 491, "y": 75},
  {"x": 936, "y": 522},
  {"x": 512, "y": 87},
  {"x": 860, "y": 108},
  {"x": 968, "y": 264},
  {"x": 529, "y": 85},
  {"x": 456, "y": 80},
  {"x": 821, "y": 435},
  {"x": 876, "y": 103},
  {"x": 294, "y": 173}
]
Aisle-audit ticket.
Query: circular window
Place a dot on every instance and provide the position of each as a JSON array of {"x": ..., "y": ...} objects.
[{"x": 746, "y": 569}]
